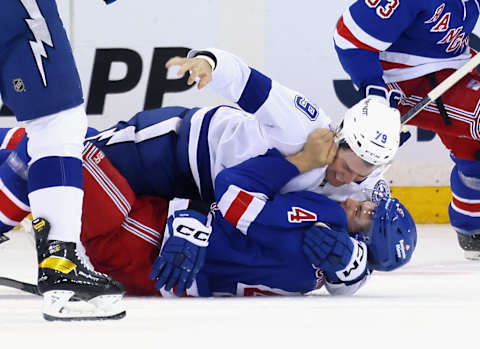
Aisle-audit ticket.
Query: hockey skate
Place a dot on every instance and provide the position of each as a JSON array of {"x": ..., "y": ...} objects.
[
  {"x": 471, "y": 246},
  {"x": 70, "y": 289}
]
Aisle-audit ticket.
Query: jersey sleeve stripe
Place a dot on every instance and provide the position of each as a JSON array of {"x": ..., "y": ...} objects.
[
  {"x": 255, "y": 207},
  {"x": 240, "y": 208},
  {"x": 12, "y": 138},
  {"x": 256, "y": 92},
  {"x": 346, "y": 35},
  {"x": 348, "y": 28},
  {"x": 343, "y": 43}
]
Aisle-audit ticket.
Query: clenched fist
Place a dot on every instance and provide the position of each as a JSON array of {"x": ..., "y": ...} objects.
[{"x": 318, "y": 151}]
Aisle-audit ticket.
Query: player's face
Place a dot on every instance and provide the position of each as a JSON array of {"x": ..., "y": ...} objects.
[
  {"x": 347, "y": 168},
  {"x": 359, "y": 214}
]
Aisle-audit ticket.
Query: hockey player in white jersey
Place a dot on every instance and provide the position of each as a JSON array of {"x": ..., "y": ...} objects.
[{"x": 177, "y": 152}]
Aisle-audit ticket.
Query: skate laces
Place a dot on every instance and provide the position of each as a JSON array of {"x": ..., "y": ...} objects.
[{"x": 85, "y": 260}]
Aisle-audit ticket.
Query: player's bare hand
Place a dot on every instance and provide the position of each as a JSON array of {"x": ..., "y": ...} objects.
[
  {"x": 318, "y": 151},
  {"x": 199, "y": 69}
]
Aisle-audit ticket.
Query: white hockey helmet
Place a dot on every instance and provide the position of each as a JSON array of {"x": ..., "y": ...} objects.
[{"x": 372, "y": 130}]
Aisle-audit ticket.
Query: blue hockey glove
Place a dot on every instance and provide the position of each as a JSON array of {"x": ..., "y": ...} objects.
[
  {"x": 183, "y": 254},
  {"x": 341, "y": 257}
]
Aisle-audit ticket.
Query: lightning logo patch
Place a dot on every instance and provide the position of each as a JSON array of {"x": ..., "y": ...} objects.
[{"x": 38, "y": 27}]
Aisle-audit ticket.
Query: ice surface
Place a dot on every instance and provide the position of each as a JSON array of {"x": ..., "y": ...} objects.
[{"x": 434, "y": 302}]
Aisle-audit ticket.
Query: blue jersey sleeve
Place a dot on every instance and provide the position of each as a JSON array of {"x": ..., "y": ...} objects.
[
  {"x": 264, "y": 174},
  {"x": 247, "y": 196},
  {"x": 367, "y": 28}
]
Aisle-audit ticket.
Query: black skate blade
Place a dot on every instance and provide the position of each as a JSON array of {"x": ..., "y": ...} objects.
[{"x": 86, "y": 318}]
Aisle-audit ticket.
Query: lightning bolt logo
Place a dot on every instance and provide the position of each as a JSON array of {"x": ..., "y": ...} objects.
[{"x": 39, "y": 29}]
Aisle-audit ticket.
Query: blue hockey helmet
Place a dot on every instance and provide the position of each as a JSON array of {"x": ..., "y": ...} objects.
[{"x": 392, "y": 237}]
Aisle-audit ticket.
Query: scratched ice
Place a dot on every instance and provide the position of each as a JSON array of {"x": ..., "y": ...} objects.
[{"x": 433, "y": 301}]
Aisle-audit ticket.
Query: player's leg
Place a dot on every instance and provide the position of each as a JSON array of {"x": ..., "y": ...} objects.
[
  {"x": 124, "y": 240},
  {"x": 40, "y": 83},
  {"x": 128, "y": 251},
  {"x": 464, "y": 209},
  {"x": 458, "y": 128}
]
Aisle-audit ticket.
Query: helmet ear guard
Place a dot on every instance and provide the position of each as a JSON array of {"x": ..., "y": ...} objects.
[
  {"x": 393, "y": 236},
  {"x": 372, "y": 130}
]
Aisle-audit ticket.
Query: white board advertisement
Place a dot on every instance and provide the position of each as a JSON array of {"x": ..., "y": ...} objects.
[{"x": 121, "y": 50}]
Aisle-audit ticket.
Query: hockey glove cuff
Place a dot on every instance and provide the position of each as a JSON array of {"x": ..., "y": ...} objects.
[{"x": 342, "y": 258}]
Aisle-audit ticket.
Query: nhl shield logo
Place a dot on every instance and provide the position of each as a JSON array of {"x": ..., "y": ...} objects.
[{"x": 18, "y": 85}]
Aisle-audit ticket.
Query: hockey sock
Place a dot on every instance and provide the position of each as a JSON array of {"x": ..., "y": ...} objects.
[{"x": 56, "y": 194}]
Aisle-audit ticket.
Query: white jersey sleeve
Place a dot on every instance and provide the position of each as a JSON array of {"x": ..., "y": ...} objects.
[{"x": 285, "y": 116}]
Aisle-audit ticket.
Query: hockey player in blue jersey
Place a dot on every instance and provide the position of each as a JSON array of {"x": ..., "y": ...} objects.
[
  {"x": 40, "y": 83},
  {"x": 410, "y": 46},
  {"x": 266, "y": 243}
]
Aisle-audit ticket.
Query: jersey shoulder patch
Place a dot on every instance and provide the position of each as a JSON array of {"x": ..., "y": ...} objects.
[{"x": 381, "y": 190}]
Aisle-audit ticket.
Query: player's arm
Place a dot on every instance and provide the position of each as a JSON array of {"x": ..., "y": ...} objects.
[
  {"x": 365, "y": 29},
  {"x": 13, "y": 177},
  {"x": 285, "y": 114},
  {"x": 244, "y": 191}
]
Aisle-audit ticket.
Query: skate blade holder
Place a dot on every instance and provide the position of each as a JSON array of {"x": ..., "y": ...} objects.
[{"x": 60, "y": 305}]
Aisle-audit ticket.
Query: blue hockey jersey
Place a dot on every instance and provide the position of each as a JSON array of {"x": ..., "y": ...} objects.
[
  {"x": 383, "y": 41},
  {"x": 256, "y": 243}
]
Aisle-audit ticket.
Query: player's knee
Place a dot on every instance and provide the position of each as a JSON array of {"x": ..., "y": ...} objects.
[{"x": 60, "y": 134}]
